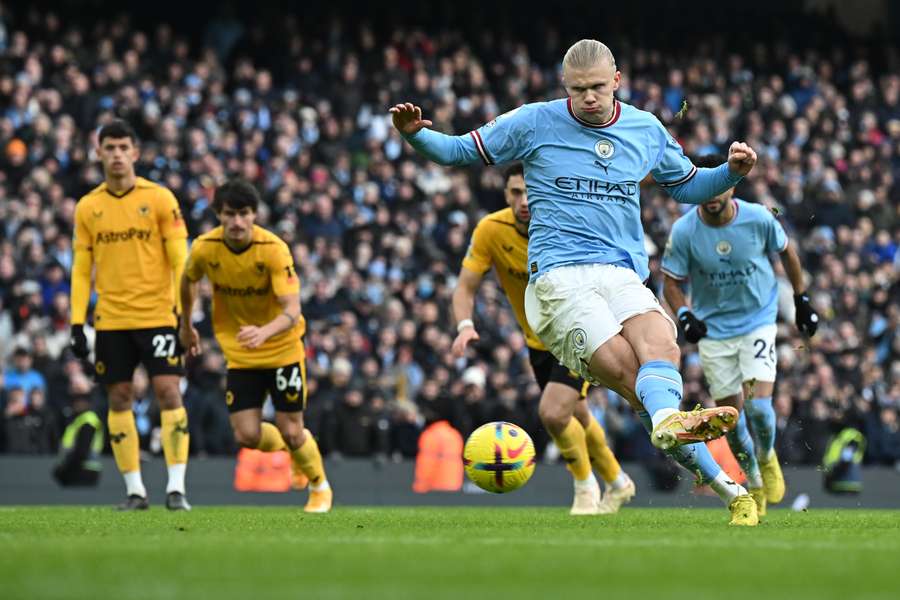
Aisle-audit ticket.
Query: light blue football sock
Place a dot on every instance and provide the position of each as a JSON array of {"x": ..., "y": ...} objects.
[
  {"x": 695, "y": 457},
  {"x": 659, "y": 388},
  {"x": 762, "y": 424},
  {"x": 741, "y": 445}
]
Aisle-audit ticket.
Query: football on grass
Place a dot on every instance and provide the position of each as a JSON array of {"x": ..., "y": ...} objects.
[{"x": 499, "y": 457}]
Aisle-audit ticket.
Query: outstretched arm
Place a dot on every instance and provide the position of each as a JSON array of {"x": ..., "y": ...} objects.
[
  {"x": 705, "y": 184},
  {"x": 443, "y": 149}
]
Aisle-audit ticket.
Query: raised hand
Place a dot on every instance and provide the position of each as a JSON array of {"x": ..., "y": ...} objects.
[
  {"x": 741, "y": 158},
  {"x": 408, "y": 118}
]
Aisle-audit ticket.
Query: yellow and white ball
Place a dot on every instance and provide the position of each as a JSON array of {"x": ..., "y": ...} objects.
[{"x": 499, "y": 457}]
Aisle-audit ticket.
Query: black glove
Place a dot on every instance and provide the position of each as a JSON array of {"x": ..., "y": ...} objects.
[
  {"x": 694, "y": 328},
  {"x": 79, "y": 342},
  {"x": 807, "y": 318}
]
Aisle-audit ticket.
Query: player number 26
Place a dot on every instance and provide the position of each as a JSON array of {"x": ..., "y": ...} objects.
[
  {"x": 760, "y": 346},
  {"x": 163, "y": 345},
  {"x": 292, "y": 381}
]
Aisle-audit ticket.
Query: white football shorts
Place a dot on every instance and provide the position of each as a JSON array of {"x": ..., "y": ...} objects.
[
  {"x": 576, "y": 309},
  {"x": 730, "y": 362}
]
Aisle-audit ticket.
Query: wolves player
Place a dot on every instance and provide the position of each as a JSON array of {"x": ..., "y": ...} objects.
[
  {"x": 130, "y": 233},
  {"x": 258, "y": 324},
  {"x": 723, "y": 247},
  {"x": 501, "y": 240},
  {"x": 584, "y": 158}
]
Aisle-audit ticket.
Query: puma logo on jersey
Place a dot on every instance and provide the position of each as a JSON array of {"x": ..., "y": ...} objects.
[
  {"x": 507, "y": 248},
  {"x": 97, "y": 213},
  {"x": 260, "y": 267},
  {"x": 213, "y": 265},
  {"x": 144, "y": 211}
]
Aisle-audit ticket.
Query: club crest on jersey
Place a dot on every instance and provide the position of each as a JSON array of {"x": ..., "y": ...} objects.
[
  {"x": 604, "y": 149},
  {"x": 723, "y": 248}
]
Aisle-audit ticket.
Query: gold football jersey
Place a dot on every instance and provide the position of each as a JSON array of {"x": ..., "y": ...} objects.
[
  {"x": 246, "y": 286},
  {"x": 125, "y": 235},
  {"x": 496, "y": 242}
]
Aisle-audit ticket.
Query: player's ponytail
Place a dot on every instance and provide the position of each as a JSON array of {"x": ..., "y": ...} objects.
[{"x": 586, "y": 54}]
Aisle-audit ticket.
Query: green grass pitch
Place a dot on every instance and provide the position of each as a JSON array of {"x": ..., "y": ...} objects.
[{"x": 430, "y": 553}]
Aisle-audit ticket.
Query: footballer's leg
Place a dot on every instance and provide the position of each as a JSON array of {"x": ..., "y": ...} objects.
[
  {"x": 161, "y": 357},
  {"x": 289, "y": 398},
  {"x": 720, "y": 360},
  {"x": 619, "y": 486},
  {"x": 659, "y": 385},
  {"x": 175, "y": 438},
  {"x": 556, "y": 411},
  {"x": 759, "y": 364},
  {"x": 117, "y": 357},
  {"x": 615, "y": 364},
  {"x": 250, "y": 431},
  {"x": 560, "y": 394},
  {"x": 761, "y": 415},
  {"x": 652, "y": 336},
  {"x": 741, "y": 445},
  {"x": 305, "y": 453},
  {"x": 245, "y": 393}
]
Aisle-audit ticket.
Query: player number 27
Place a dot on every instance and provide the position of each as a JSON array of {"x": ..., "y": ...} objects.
[
  {"x": 292, "y": 381},
  {"x": 760, "y": 346},
  {"x": 163, "y": 345}
]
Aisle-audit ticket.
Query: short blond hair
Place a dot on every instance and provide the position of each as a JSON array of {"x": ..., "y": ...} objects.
[{"x": 585, "y": 54}]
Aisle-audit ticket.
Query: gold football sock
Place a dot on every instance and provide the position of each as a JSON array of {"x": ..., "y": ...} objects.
[
  {"x": 602, "y": 457},
  {"x": 308, "y": 458},
  {"x": 123, "y": 437},
  {"x": 573, "y": 449},
  {"x": 175, "y": 443},
  {"x": 175, "y": 437},
  {"x": 270, "y": 439}
]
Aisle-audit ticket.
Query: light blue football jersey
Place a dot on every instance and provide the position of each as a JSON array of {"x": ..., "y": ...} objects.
[
  {"x": 733, "y": 287},
  {"x": 583, "y": 180}
]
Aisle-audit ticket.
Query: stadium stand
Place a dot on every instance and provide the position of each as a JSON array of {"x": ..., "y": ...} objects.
[{"x": 379, "y": 234}]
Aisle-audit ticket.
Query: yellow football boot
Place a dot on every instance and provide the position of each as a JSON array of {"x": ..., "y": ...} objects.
[
  {"x": 743, "y": 511},
  {"x": 319, "y": 502},
  {"x": 773, "y": 479},
  {"x": 759, "y": 496},
  {"x": 698, "y": 425}
]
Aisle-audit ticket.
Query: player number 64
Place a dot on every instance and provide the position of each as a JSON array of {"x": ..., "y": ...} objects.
[{"x": 283, "y": 383}]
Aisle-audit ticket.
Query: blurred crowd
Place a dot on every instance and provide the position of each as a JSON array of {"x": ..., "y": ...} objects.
[{"x": 379, "y": 234}]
